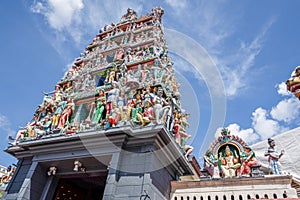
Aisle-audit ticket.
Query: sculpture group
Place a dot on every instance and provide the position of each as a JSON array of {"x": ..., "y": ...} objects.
[
  {"x": 124, "y": 77},
  {"x": 229, "y": 156}
]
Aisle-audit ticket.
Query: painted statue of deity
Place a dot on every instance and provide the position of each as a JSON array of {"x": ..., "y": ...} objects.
[
  {"x": 229, "y": 163},
  {"x": 273, "y": 157},
  {"x": 66, "y": 114},
  {"x": 121, "y": 102},
  {"x": 112, "y": 97},
  {"x": 99, "y": 113},
  {"x": 159, "y": 102},
  {"x": 211, "y": 165},
  {"x": 248, "y": 161},
  {"x": 114, "y": 116},
  {"x": 137, "y": 111},
  {"x": 148, "y": 114}
]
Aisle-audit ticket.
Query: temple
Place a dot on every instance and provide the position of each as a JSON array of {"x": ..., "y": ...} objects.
[
  {"x": 293, "y": 83},
  {"x": 114, "y": 128}
]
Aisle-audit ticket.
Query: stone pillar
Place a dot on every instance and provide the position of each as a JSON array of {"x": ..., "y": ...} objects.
[
  {"x": 28, "y": 183},
  {"x": 136, "y": 172}
]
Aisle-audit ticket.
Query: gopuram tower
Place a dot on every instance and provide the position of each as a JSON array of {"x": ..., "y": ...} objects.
[
  {"x": 113, "y": 128},
  {"x": 293, "y": 83}
]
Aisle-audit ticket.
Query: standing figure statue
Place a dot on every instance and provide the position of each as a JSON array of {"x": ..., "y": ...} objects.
[
  {"x": 66, "y": 114},
  {"x": 148, "y": 114},
  {"x": 274, "y": 157},
  {"x": 159, "y": 103},
  {"x": 99, "y": 113},
  {"x": 113, "y": 117},
  {"x": 112, "y": 97}
]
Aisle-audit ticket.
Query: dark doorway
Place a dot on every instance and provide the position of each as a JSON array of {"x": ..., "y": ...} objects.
[{"x": 80, "y": 188}]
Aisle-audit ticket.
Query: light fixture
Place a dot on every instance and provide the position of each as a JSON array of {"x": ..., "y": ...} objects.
[
  {"x": 78, "y": 166},
  {"x": 52, "y": 171}
]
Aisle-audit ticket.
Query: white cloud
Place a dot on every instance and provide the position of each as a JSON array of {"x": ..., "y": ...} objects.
[
  {"x": 3, "y": 121},
  {"x": 103, "y": 12},
  {"x": 4, "y": 125},
  {"x": 216, "y": 31},
  {"x": 177, "y": 4},
  {"x": 263, "y": 126},
  {"x": 286, "y": 110},
  {"x": 235, "y": 70},
  {"x": 76, "y": 18},
  {"x": 248, "y": 135},
  {"x": 65, "y": 17},
  {"x": 73, "y": 19},
  {"x": 282, "y": 90},
  {"x": 38, "y": 7},
  {"x": 60, "y": 14}
]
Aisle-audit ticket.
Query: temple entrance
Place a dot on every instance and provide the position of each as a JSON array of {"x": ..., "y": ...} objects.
[
  {"x": 82, "y": 178},
  {"x": 80, "y": 188}
]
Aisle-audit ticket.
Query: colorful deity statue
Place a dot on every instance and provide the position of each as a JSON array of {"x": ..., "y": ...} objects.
[
  {"x": 293, "y": 83},
  {"x": 25, "y": 132},
  {"x": 248, "y": 160},
  {"x": 178, "y": 133},
  {"x": 99, "y": 113},
  {"x": 59, "y": 107},
  {"x": 188, "y": 149},
  {"x": 226, "y": 134},
  {"x": 66, "y": 114},
  {"x": 137, "y": 110},
  {"x": 121, "y": 102},
  {"x": 128, "y": 63},
  {"x": 7, "y": 178},
  {"x": 211, "y": 165},
  {"x": 112, "y": 97},
  {"x": 129, "y": 16},
  {"x": 229, "y": 163},
  {"x": 148, "y": 114},
  {"x": 113, "y": 117},
  {"x": 159, "y": 103}
]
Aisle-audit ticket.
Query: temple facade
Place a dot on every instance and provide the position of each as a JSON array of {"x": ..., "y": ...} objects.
[{"x": 114, "y": 128}]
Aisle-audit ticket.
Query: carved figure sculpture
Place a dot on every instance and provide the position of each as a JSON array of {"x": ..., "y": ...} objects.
[
  {"x": 229, "y": 163},
  {"x": 148, "y": 113},
  {"x": 100, "y": 108},
  {"x": 114, "y": 115},
  {"x": 66, "y": 114},
  {"x": 274, "y": 157},
  {"x": 211, "y": 164},
  {"x": 248, "y": 161}
]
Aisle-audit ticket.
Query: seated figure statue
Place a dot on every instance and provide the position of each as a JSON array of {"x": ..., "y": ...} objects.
[
  {"x": 229, "y": 163},
  {"x": 211, "y": 165},
  {"x": 248, "y": 161}
]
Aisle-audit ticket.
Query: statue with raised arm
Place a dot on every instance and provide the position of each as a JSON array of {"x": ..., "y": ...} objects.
[
  {"x": 229, "y": 163},
  {"x": 274, "y": 157}
]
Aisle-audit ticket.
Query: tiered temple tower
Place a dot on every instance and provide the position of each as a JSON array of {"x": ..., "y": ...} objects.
[
  {"x": 293, "y": 83},
  {"x": 113, "y": 128}
]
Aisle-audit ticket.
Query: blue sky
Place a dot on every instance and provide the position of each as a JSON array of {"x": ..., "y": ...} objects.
[{"x": 254, "y": 46}]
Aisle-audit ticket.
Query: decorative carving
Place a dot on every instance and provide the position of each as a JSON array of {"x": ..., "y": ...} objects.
[
  {"x": 124, "y": 77},
  {"x": 229, "y": 156}
]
